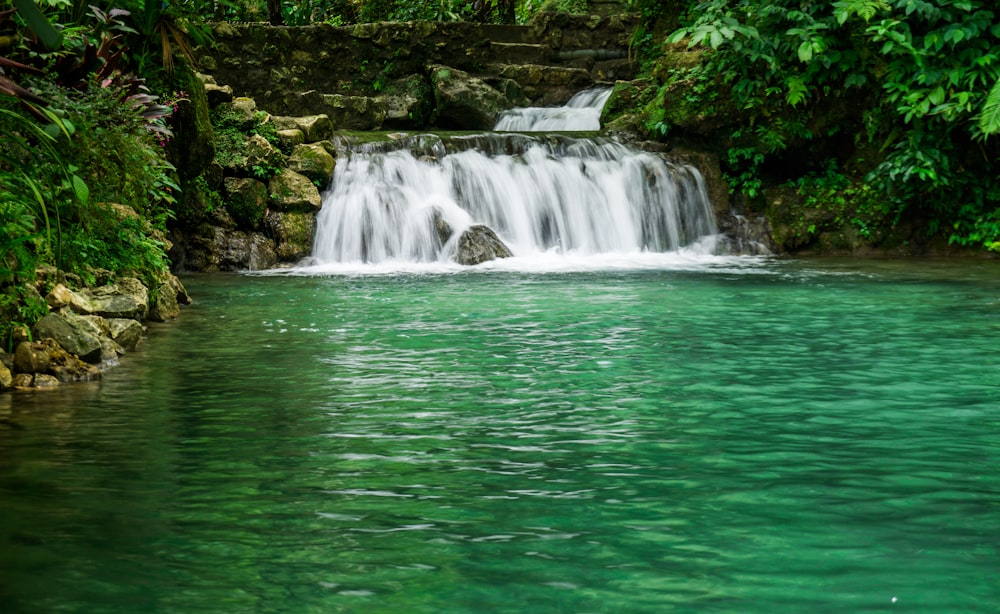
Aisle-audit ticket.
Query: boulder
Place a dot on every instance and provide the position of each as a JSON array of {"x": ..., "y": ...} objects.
[
  {"x": 262, "y": 156},
  {"x": 291, "y": 138},
  {"x": 6, "y": 378},
  {"x": 313, "y": 127},
  {"x": 166, "y": 305},
  {"x": 128, "y": 298},
  {"x": 70, "y": 335},
  {"x": 292, "y": 233},
  {"x": 60, "y": 296},
  {"x": 66, "y": 367},
  {"x": 480, "y": 244},
  {"x": 218, "y": 94},
  {"x": 313, "y": 161},
  {"x": 44, "y": 380},
  {"x": 464, "y": 102},
  {"x": 31, "y": 358},
  {"x": 127, "y": 333},
  {"x": 291, "y": 191},
  {"x": 246, "y": 201},
  {"x": 230, "y": 250},
  {"x": 23, "y": 380}
]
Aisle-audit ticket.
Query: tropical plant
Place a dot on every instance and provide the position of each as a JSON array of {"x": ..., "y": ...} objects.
[{"x": 919, "y": 75}]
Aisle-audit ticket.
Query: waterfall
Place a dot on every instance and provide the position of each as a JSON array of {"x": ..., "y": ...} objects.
[
  {"x": 408, "y": 200},
  {"x": 581, "y": 113}
]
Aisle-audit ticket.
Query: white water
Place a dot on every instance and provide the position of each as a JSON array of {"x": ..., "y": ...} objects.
[
  {"x": 581, "y": 113},
  {"x": 557, "y": 202}
]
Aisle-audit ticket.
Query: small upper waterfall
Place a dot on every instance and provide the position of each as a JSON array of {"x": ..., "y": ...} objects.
[
  {"x": 409, "y": 200},
  {"x": 581, "y": 113}
]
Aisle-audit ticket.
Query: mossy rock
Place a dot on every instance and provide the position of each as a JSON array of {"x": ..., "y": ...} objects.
[{"x": 246, "y": 201}]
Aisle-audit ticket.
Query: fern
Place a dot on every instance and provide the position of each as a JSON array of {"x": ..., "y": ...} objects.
[{"x": 989, "y": 119}]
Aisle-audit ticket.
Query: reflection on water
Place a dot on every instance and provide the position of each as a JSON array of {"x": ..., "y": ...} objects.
[{"x": 780, "y": 436}]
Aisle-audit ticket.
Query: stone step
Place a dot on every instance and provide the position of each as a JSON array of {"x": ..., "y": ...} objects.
[
  {"x": 507, "y": 33},
  {"x": 520, "y": 53}
]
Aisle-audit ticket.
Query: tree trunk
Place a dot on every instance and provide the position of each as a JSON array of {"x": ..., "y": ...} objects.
[{"x": 274, "y": 13}]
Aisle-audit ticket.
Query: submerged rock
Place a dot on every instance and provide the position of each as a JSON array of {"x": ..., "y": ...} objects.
[{"x": 480, "y": 244}]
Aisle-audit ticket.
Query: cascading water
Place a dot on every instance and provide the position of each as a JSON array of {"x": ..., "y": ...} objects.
[
  {"x": 410, "y": 200},
  {"x": 581, "y": 113}
]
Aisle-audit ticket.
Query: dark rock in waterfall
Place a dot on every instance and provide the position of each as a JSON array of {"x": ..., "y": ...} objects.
[
  {"x": 442, "y": 227},
  {"x": 480, "y": 244}
]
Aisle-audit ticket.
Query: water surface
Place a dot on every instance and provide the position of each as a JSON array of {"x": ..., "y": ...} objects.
[{"x": 734, "y": 436}]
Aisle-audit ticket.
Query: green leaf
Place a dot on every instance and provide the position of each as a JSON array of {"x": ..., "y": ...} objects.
[
  {"x": 80, "y": 189},
  {"x": 38, "y": 24},
  {"x": 989, "y": 119},
  {"x": 805, "y": 51}
]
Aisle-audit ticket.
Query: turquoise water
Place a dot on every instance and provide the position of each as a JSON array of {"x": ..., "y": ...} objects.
[{"x": 744, "y": 436}]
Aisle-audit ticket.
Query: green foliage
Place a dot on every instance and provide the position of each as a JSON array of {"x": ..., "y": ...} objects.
[
  {"x": 911, "y": 79},
  {"x": 843, "y": 202},
  {"x": 20, "y": 306}
]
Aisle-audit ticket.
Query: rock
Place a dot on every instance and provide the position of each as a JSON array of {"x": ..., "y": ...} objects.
[
  {"x": 44, "y": 380},
  {"x": 243, "y": 109},
  {"x": 262, "y": 157},
  {"x": 59, "y": 297},
  {"x": 68, "y": 334},
  {"x": 218, "y": 94},
  {"x": 128, "y": 298},
  {"x": 291, "y": 191},
  {"x": 246, "y": 201},
  {"x": 23, "y": 380},
  {"x": 31, "y": 358},
  {"x": 110, "y": 351},
  {"x": 231, "y": 250},
  {"x": 6, "y": 378},
  {"x": 292, "y": 233},
  {"x": 465, "y": 102},
  {"x": 442, "y": 227},
  {"x": 479, "y": 244},
  {"x": 128, "y": 333},
  {"x": 314, "y": 127},
  {"x": 291, "y": 138},
  {"x": 169, "y": 297},
  {"x": 66, "y": 367},
  {"x": 313, "y": 161},
  {"x": 408, "y": 102}
]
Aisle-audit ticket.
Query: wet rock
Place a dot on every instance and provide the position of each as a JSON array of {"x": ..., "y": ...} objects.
[
  {"x": 480, "y": 244},
  {"x": 231, "y": 250},
  {"x": 6, "y": 378},
  {"x": 313, "y": 161},
  {"x": 31, "y": 358},
  {"x": 66, "y": 367},
  {"x": 442, "y": 227},
  {"x": 291, "y": 191},
  {"x": 69, "y": 335},
  {"x": 465, "y": 102},
  {"x": 166, "y": 306},
  {"x": 127, "y": 333},
  {"x": 44, "y": 380},
  {"x": 292, "y": 233},
  {"x": 23, "y": 380}
]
